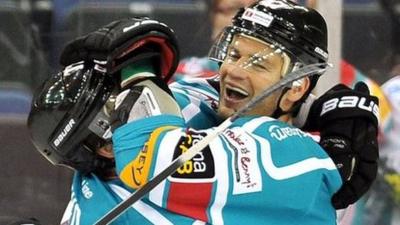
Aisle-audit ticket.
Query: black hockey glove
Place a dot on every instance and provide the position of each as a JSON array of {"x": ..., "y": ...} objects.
[
  {"x": 348, "y": 121},
  {"x": 126, "y": 41}
]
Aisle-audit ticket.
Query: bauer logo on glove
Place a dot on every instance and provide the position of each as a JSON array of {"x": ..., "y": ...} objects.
[{"x": 350, "y": 102}]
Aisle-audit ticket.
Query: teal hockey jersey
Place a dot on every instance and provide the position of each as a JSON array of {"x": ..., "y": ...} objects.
[{"x": 259, "y": 171}]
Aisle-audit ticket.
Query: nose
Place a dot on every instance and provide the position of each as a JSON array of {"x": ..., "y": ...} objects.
[{"x": 233, "y": 71}]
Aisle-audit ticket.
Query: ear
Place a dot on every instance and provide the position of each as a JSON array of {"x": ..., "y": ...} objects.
[
  {"x": 298, "y": 89},
  {"x": 106, "y": 151}
]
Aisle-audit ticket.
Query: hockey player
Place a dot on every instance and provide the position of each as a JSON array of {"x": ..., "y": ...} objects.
[
  {"x": 90, "y": 191},
  {"x": 257, "y": 154},
  {"x": 70, "y": 113},
  {"x": 220, "y": 13}
]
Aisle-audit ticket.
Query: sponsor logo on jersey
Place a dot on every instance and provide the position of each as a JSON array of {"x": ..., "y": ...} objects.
[
  {"x": 245, "y": 162},
  {"x": 258, "y": 17},
  {"x": 136, "y": 173},
  {"x": 141, "y": 166},
  {"x": 350, "y": 102},
  {"x": 201, "y": 166},
  {"x": 64, "y": 132},
  {"x": 193, "y": 182},
  {"x": 87, "y": 193},
  {"x": 281, "y": 133}
]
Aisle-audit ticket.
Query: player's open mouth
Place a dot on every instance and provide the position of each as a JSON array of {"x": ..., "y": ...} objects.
[{"x": 235, "y": 94}]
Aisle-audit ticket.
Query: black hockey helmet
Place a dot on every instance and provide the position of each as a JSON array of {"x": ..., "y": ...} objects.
[
  {"x": 69, "y": 116},
  {"x": 298, "y": 31}
]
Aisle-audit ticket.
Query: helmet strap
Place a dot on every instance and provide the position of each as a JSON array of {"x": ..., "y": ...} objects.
[
  {"x": 293, "y": 110},
  {"x": 278, "y": 111}
]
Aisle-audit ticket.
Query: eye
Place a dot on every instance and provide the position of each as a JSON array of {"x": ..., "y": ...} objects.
[
  {"x": 259, "y": 64},
  {"x": 233, "y": 56}
]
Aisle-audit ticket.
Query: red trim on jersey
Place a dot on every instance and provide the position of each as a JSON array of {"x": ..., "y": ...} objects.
[{"x": 190, "y": 199}]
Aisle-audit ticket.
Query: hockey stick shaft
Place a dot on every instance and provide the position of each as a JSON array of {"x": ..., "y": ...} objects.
[{"x": 199, "y": 146}]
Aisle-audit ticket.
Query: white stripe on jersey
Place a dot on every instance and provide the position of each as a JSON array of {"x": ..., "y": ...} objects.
[
  {"x": 296, "y": 169},
  {"x": 67, "y": 213},
  {"x": 222, "y": 177},
  {"x": 75, "y": 220},
  {"x": 72, "y": 213},
  {"x": 145, "y": 210},
  {"x": 163, "y": 160},
  {"x": 255, "y": 123},
  {"x": 192, "y": 109},
  {"x": 293, "y": 170}
]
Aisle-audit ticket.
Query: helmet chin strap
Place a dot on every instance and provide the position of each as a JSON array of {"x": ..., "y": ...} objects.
[
  {"x": 286, "y": 68},
  {"x": 293, "y": 110},
  {"x": 278, "y": 110}
]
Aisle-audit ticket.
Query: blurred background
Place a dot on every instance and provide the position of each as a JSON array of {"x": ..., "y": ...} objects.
[{"x": 33, "y": 32}]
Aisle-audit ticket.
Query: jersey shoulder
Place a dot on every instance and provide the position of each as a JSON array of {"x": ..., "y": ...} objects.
[
  {"x": 198, "y": 100},
  {"x": 286, "y": 142}
]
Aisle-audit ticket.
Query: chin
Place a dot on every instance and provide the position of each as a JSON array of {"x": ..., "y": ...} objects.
[{"x": 225, "y": 112}]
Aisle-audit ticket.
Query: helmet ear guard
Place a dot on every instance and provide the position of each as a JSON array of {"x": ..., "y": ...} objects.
[{"x": 68, "y": 120}]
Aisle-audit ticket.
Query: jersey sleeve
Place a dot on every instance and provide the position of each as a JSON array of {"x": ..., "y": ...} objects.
[{"x": 136, "y": 144}]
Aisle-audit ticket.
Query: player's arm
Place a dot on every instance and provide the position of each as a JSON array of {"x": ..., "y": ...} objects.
[{"x": 140, "y": 54}]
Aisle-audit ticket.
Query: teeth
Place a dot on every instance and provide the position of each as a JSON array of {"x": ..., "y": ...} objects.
[{"x": 240, "y": 91}]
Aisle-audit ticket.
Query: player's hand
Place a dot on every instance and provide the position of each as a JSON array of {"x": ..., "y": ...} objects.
[
  {"x": 123, "y": 42},
  {"x": 348, "y": 121}
]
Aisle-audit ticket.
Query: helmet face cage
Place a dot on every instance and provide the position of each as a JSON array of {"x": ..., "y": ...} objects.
[
  {"x": 68, "y": 120},
  {"x": 219, "y": 51},
  {"x": 298, "y": 31}
]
